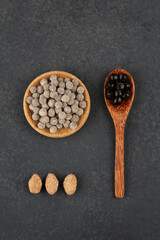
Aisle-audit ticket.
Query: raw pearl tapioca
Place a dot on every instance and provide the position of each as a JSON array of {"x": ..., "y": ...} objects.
[
  {"x": 118, "y": 88},
  {"x": 57, "y": 103}
]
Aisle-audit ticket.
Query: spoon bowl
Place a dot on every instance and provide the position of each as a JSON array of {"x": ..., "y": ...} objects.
[
  {"x": 119, "y": 115},
  {"x": 122, "y": 110},
  {"x": 63, "y": 132}
]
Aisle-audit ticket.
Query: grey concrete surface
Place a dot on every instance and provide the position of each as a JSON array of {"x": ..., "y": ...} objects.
[{"x": 89, "y": 39}]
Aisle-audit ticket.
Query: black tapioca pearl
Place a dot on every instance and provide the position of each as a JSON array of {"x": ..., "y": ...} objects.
[
  {"x": 115, "y": 77},
  {"x": 119, "y": 100},
  {"x": 123, "y": 96},
  {"x": 116, "y": 93},
  {"x": 119, "y": 93},
  {"x": 111, "y": 77},
  {"x": 120, "y": 76},
  {"x": 128, "y": 85},
  {"x": 108, "y": 85},
  {"x": 115, "y": 101},
  {"x": 120, "y": 86},
  {"x": 128, "y": 94},
  {"x": 109, "y": 95}
]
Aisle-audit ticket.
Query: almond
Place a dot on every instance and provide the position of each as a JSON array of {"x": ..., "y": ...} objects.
[
  {"x": 70, "y": 184},
  {"x": 51, "y": 184},
  {"x": 35, "y": 184}
]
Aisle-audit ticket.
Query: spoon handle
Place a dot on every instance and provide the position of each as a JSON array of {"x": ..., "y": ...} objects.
[{"x": 119, "y": 161}]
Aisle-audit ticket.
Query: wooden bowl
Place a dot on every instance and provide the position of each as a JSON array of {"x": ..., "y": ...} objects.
[{"x": 64, "y": 132}]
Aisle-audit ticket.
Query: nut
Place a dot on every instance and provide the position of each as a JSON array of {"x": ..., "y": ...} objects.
[
  {"x": 35, "y": 184},
  {"x": 51, "y": 184},
  {"x": 70, "y": 184}
]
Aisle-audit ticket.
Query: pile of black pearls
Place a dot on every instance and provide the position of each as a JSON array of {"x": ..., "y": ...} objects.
[
  {"x": 118, "y": 88},
  {"x": 57, "y": 103}
]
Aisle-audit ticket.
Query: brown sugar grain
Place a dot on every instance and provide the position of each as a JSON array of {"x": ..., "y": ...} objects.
[
  {"x": 70, "y": 184},
  {"x": 35, "y": 184},
  {"x": 51, "y": 184}
]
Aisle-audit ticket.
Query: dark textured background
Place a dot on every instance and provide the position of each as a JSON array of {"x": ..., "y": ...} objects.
[{"x": 88, "y": 39}]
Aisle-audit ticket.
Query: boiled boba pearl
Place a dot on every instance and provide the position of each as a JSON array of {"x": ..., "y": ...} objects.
[
  {"x": 66, "y": 80},
  {"x": 40, "y": 89},
  {"x": 43, "y": 81},
  {"x": 36, "y": 110},
  {"x": 66, "y": 124},
  {"x": 61, "y": 121},
  {"x": 48, "y": 125},
  {"x": 31, "y": 107},
  {"x": 29, "y": 99},
  {"x": 46, "y": 94},
  {"x": 42, "y": 100},
  {"x": 53, "y": 129},
  {"x": 67, "y": 109},
  {"x": 59, "y": 126},
  {"x": 53, "y": 94},
  {"x": 62, "y": 115},
  {"x": 75, "y": 118},
  {"x": 75, "y": 82},
  {"x": 60, "y": 90},
  {"x": 73, "y": 125},
  {"x": 35, "y": 102},
  {"x": 44, "y": 119},
  {"x": 53, "y": 121},
  {"x": 72, "y": 95},
  {"x": 35, "y": 117},
  {"x": 64, "y": 104},
  {"x": 52, "y": 88},
  {"x": 68, "y": 116},
  {"x": 80, "y": 97},
  {"x": 58, "y": 110},
  {"x": 43, "y": 112},
  {"x": 45, "y": 106},
  {"x": 54, "y": 80},
  {"x": 62, "y": 85},
  {"x": 51, "y": 112},
  {"x": 80, "y": 112},
  {"x": 65, "y": 98},
  {"x": 35, "y": 95},
  {"x": 33, "y": 89},
  {"x": 51, "y": 103},
  {"x": 76, "y": 102},
  {"x": 80, "y": 90},
  {"x": 74, "y": 89},
  {"x": 71, "y": 102},
  {"x": 69, "y": 85},
  {"x": 58, "y": 98},
  {"x": 53, "y": 77},
  {"x": 46, "y": 86},
  {"x": 58, "y": 104},
  {"x": 60, "y": 79},
  {"x": 41, "y": 125},
  {"x": 68, "y": 92},
  {"x": 74, "y": 108}
]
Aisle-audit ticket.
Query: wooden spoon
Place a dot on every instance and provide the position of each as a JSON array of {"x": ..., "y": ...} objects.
[
  {"x": 119, "y": 115},
  {"x": 63, "y": 132}
]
